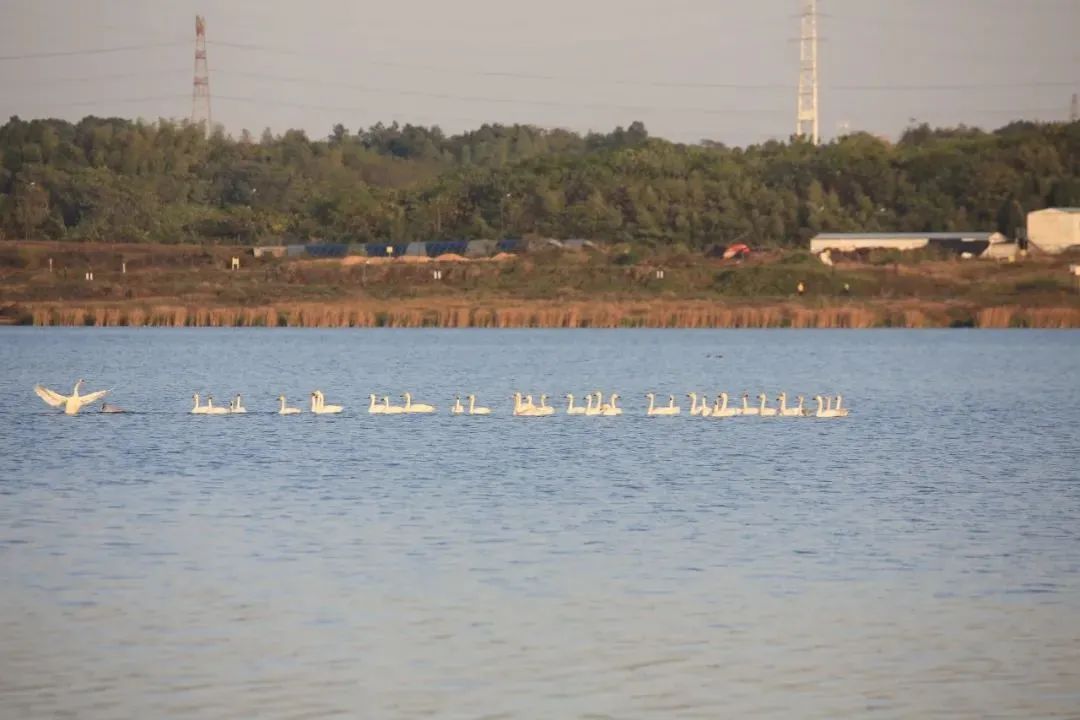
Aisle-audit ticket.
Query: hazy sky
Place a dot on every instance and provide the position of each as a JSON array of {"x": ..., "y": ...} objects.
[{"x": 579, "y": 64}]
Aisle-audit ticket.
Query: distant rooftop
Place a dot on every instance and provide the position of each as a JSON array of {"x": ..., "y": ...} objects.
[{"x": 962, "y": 234}]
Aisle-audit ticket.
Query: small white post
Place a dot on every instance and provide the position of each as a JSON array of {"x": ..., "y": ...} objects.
[
  {"x": 50, "y": 264},
  {"x": 236, "y": 263},
  {"x": 123, "y": 268}
]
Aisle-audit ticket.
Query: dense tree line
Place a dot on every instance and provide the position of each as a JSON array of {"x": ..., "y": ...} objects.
[{"x": 118, "y": 180}]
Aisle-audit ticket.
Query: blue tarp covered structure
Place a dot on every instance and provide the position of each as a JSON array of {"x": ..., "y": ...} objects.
[
  {"x": 479, "y": 248},
  {"x": 441, "y": 247},
  {"x": 328, "y": 250},
  {"x": 378, "y": 249}
]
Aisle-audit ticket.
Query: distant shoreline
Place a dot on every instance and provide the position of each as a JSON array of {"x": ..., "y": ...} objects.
[{"x": 116, "y": 284}]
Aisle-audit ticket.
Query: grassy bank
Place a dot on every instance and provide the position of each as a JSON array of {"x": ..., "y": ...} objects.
[{"x": 186, "y": 286}]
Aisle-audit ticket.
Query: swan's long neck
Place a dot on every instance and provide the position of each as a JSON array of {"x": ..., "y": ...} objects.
[
  {"x": 839, "y": 401},
  {"x": 693, "y": 402},
  {"x": 745, "y": 402},
  {"x": 282, "y": 405},
  {"x": 652, "y": 403},
  {"x": 783, "y": 403},
  {"x": 723, "y": 402},
  {"x": 762, "y": 406},
  {"x": 472, "y": 402},
  {"x": 820, "y": 404},
  {"x": 196, "y": 399}
]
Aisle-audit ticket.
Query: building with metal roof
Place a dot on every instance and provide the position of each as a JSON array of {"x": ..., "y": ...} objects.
[{"x": 975, "y": 243}]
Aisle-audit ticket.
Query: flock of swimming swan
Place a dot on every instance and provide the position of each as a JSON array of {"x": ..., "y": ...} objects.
[{"x": 524, "y": 406}]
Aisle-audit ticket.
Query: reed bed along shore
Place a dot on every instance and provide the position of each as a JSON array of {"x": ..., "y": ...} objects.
[{"x": 548, "y": 314}]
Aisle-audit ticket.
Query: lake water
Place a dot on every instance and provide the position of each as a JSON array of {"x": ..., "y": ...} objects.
[{"x": 920, "y": 558}]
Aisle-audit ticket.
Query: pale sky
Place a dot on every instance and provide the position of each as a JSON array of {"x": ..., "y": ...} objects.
[{"x": 578, "y": 64}]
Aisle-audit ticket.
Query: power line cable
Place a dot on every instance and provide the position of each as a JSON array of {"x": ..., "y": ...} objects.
[
  {"x": 650, "y": 83},
  {"x": 496, "y": 99},
  {"x": 93, "y": 51}
]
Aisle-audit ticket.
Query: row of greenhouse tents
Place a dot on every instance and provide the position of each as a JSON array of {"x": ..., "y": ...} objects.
[{"x": 464, "y": 248}]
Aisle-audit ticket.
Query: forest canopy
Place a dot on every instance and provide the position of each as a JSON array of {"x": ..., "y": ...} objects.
[{"x": 117, "y": 180}]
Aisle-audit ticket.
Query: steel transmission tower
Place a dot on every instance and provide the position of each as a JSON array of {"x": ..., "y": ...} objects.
[
  {"x": 806, "y": 114},
  {"x": 200, "y": 92}
]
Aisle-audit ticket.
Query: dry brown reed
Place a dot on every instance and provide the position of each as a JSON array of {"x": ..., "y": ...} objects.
[{"x": 553, "y": 314}]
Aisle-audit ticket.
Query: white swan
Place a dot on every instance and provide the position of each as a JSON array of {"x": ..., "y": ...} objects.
[
  {"x": 765, "y": 411},
  {"x": 416, "y": 408},
  {"x": 388, "y": 409},
  {"x": 571, "y": 409},
  {"x": 722, "y": 410},
  {"x": 236, "y": 406},
  {"x": 72, "y": 403},
  {"x": 458, "y": 408},
  {"x": 525, "y": 407},
  {"x": 594, "y": 404},
  {"x": 840, "y": 410},
  {"x": 823, "y": 410},
  {"x": 612, "y": 409},
  {"x": 606, "y": 408},
  {"x": 198, "y": 409},
  {"x": 671, "y": 409},
  {"x": 701, "y": 408},
  {"x": 746, "y": 409},
  {"x": 285, "y": 410},
  {"x": 474, "y": 409},
  {"x": 544, "y": 409},
  {"x": 319, "y": 406},
  {"x": 211, "y": 410},
  {"x": 786, "y": 411},
  {"x": 374, "y": 408}
]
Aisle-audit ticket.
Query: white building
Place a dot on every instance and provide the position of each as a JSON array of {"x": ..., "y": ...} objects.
[
  {"x": 975, "y": 243},
  {"x": 1054, "y": 230}
]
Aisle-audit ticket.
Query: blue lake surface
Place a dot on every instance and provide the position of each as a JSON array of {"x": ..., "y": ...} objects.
[{"x": 920, "y": 558}]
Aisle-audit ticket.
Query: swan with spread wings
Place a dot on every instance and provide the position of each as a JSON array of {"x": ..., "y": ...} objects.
[{"x": 72, "y": 403}]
